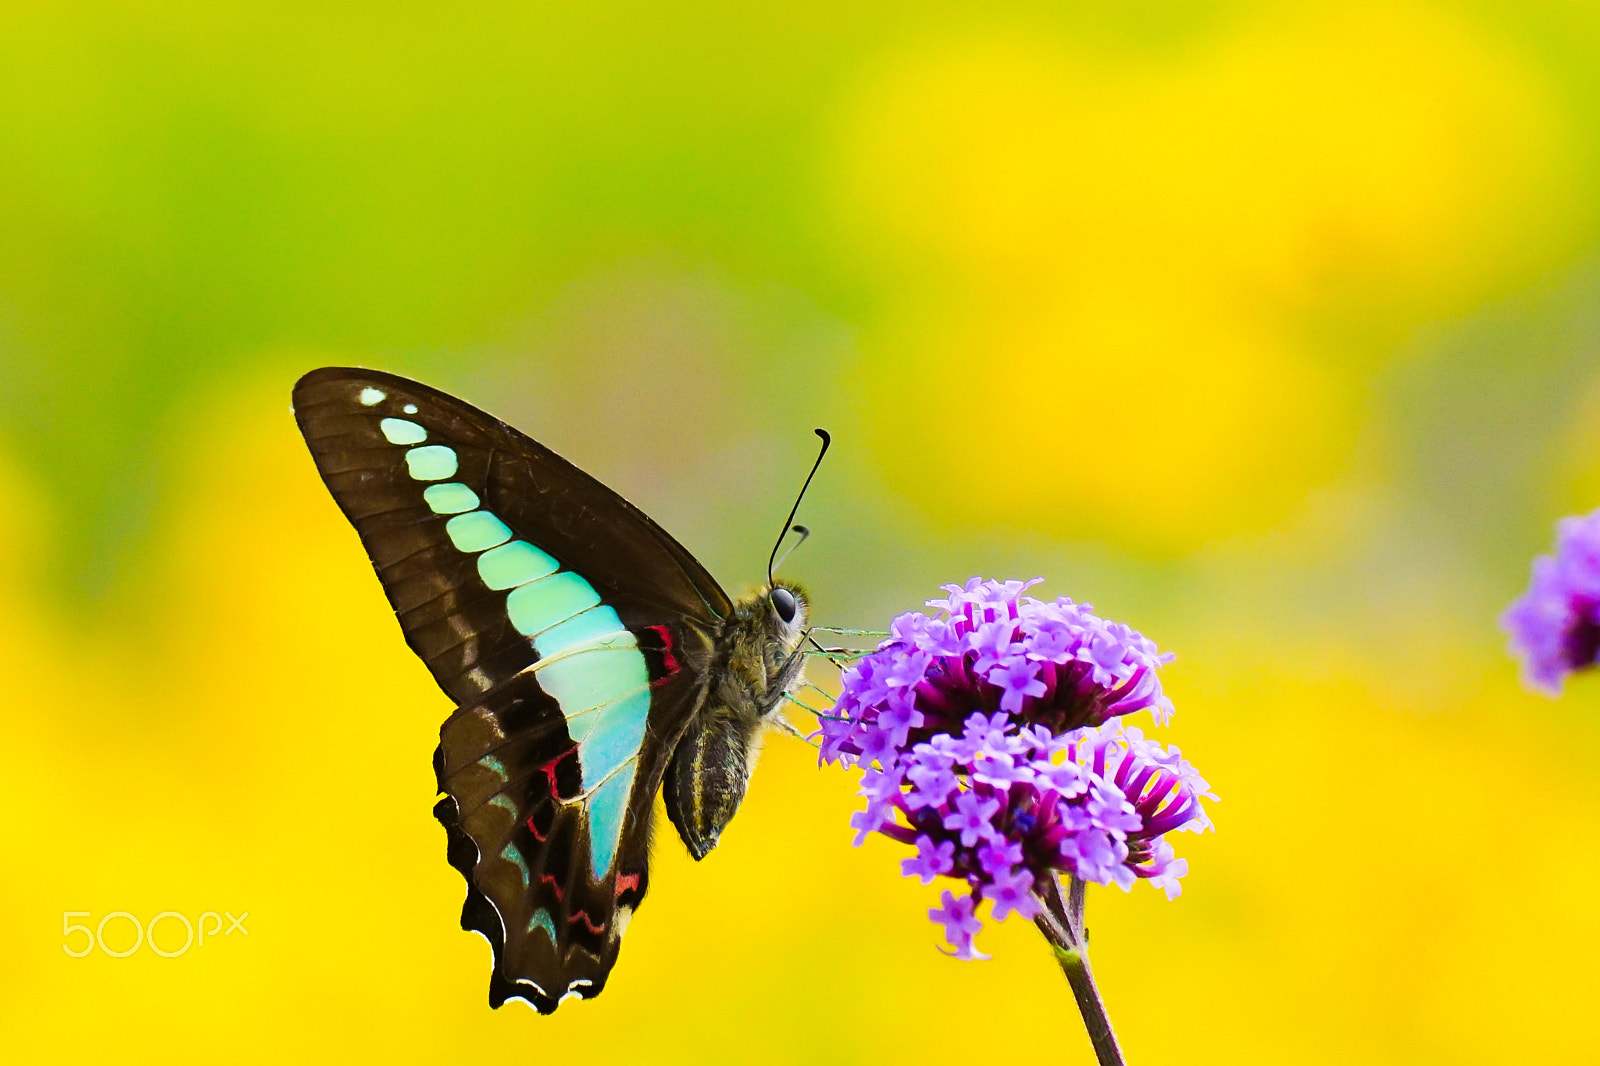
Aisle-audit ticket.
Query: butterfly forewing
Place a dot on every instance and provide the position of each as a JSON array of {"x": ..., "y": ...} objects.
[
  {"x": 574, "y": 634},
  {"x": 448, "y": 500}
]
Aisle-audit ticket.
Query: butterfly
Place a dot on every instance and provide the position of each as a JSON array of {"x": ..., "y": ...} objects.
[{"x": 592, "y": 659}]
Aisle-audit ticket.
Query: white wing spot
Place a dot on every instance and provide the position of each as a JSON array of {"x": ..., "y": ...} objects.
[
  {"x": 370, "y": 396},
  {"x": 410, "y": 408}
]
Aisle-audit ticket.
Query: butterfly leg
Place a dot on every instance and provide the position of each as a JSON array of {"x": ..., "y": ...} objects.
[{"x": 783, "y": 725}]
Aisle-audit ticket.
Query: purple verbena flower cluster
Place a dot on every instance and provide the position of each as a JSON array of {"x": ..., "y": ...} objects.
[
  {"x": 1057, "y": 665},
  {"x": 1555, "y": 625},
  {"x": 990, "y": 739}
]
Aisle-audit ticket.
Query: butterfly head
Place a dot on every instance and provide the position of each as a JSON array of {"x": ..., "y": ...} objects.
[
  {"x": 786, "y": 607},
  {"x": 759, "y": 646}
]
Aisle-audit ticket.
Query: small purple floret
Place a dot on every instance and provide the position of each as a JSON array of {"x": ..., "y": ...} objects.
[
  {"x": 1012, "y": 891},
  {"x": 1017, "y": 677},
  {"x": 999, "y": 856},
  {"x": 1555, "y": 625},
  {"x": 932, "y": 860},
  {"x": 992, "y": 738},
  {"x": 972, "y": 816},
  {"x": 955, "y": 913}
]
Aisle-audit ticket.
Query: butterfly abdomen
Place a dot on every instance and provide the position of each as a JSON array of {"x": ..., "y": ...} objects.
[{"x": 706, "y": 779}]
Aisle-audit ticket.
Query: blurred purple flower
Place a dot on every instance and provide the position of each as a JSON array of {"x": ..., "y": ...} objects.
[
  {"x": 1555, "y": 625},
  {"x": 1000, "y": 754}
]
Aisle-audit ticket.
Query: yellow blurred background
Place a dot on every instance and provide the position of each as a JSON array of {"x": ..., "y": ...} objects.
[{"x": 1271, "y": 330}]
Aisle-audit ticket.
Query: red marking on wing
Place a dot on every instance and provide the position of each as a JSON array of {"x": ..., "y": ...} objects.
[
  {"x": 627, "y": 882},
  {"x": 584, "y": 918},
  {"x": 549, "y": 770},
  {"x": 669, "y": 661},
  {"x": 535, "y": 830},
  {"x": 555, "y": 886}
]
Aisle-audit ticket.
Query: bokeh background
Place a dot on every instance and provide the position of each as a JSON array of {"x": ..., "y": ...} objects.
[{"x": 1272, "y": 330}]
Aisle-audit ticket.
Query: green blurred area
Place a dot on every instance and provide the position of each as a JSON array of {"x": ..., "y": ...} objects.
[
  {"x": 189, "y": 192},
  {"x": 1272, "y": 331}
]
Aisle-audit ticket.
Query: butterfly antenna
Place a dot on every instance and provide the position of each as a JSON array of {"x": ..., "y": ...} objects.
[
  {"x": 772, "y": 560},
  {"x": 804, "y": 531}
]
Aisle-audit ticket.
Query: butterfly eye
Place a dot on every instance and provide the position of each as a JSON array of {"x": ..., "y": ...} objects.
[{"x": 783, "y": 602}]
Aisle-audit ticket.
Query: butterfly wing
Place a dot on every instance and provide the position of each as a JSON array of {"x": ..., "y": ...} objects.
[
  {"x": 548, "y": 886},
  {"x": 448, "y": 501},
  {"x": 575, "y": 635}
]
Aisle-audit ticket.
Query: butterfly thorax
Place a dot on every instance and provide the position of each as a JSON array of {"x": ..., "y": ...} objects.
[{"x": 758, "y": 664}]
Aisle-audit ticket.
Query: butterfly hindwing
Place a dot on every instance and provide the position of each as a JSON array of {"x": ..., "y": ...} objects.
[
  {"x": 574, "y": 634},
  {"x": 550, "y": 893}
]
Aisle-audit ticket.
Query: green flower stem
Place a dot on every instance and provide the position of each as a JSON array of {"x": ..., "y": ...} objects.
[{"x": 1061, "y": 921}]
